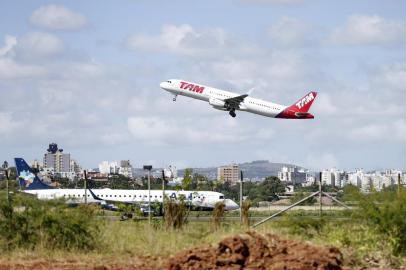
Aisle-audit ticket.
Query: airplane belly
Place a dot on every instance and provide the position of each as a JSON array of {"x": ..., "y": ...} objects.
[{"x": 262, "y": 112}]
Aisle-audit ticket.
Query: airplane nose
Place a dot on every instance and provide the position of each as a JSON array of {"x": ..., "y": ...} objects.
[
  {"x": 230, "y": 204},
  {"x": 163, "y": 85}
]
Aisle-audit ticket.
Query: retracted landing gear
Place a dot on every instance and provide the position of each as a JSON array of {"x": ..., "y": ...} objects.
[
  {"x": 174, "y": 98},
  {"x": 232, "y": 113}
]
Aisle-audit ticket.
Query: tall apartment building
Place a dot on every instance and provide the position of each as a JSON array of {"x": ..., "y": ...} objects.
[
  {"x": 292, "y": 175},
  {"x": 230, "y": 173},
  {"x": 333, "y": 177},
  {"x": 109, "y": 167},
  {"x": 56, "y": 159},
  {"x": 126, "y": 169}
]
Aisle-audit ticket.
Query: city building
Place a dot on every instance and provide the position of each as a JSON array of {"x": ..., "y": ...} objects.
[
  {"x": 56, "y": 159},
  {"x": 293, "y": 175},
  {"x": 75, "y": 167},
  {"x": 109, "y": 167},
  {"x": 230, "y": 173},
  {"x": 126, "y": 169},
  {"x": 170, "y": 172},
  {"x": 333, "y": 177},
  {"x": 123, "y": 167},
  {"x": 375, "y": 180}
]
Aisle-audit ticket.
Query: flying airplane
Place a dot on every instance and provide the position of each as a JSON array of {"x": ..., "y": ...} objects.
[
  {"x": 32, "y": 184},
  {"x": 229, "y": 101}
]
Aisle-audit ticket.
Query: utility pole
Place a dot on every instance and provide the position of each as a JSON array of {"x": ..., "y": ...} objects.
[
  {"x": 163, "y": 190},
  {"x": 5, "y": 167},
  {"x": 85, "y": 186},
  {"x": 398, "y": 185},
  {"x": 149, "y": 168},
  {"x": 241, "y": 197},
  {"x": 320, "y": 203}
]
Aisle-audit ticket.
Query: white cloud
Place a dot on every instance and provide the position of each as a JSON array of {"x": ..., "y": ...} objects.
[
  {"x": 321, "y": 161},
  {"x": 290, "y": 31},
  {"x": 9, "y": 43},
  {"x": 38, "y": 45},
  {"x": 277, "y": 2},
  {"x": 366, "y": 29},
  {"x": 389, "y": 131},
  {"x": 58, "y": 17},
  {"x": 10, "y": 69},
  {"x": 392, "y": 77},
  {"x": 7, "y": 124},
  {"x": 182, "y": 40},
  {"x": 187, "y": 131}
]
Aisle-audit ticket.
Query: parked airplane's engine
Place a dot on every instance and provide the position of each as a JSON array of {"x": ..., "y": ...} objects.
[{"x": 217, "y": 104}]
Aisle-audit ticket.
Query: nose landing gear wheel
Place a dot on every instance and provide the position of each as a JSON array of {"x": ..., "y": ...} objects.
[
  {"x": 174, "y": 98},
  {"x": 232, "y": 113}
]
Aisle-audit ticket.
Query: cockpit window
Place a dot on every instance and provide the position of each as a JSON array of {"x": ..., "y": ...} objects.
[
  {"x": 169, "y": 81},
  {"x": 221, "y": 197}
]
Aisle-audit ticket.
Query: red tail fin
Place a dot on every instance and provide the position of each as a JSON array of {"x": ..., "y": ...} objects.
[{"x": 300, "y": 109}]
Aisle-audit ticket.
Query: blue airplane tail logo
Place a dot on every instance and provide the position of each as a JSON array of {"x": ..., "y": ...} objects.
[{"x": 26, "y": 177}]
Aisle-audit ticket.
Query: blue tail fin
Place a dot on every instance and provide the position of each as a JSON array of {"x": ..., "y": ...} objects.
[{"x": 26, "y": 176}]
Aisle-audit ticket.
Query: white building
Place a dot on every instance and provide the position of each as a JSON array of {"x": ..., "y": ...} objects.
[
  {"x": 333, "y": 177},
  {"x": 126, "y": 169},
  {"x": 114, "y": 167},
  {"x": 374, "y": 180},
  {"x": 171, "y": 172},
  {"x": 293, "y": 175},
  {"x": 109, "y": 167}
]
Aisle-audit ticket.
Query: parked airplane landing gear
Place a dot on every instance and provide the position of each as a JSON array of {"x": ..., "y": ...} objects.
[
  {"x": 174, "y": 98},
  {"x": 232, "y": 113}
]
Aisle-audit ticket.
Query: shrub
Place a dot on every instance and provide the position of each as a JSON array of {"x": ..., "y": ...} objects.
[
  {"x": 175, "y": 214},
  {"x": 218, "y": 214},
  {"x": 385, "y": 212},
  {"x": 245, "y": 212},
  {"x": 303, "y": 225},
  {"x": 29, "y": 223}
]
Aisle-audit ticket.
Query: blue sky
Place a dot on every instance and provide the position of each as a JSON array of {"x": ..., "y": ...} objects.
[{"x": 86, "y": 74}]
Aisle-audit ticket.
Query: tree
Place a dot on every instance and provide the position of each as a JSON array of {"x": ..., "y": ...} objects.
[
  {"x": 187, "y": 179},
  {"x": 270, "y": 187}
]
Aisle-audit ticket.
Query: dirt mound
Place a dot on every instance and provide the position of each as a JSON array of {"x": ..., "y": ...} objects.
[{"x": 254, "y": 251}]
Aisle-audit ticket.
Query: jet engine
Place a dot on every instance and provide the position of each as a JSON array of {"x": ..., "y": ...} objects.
[{"x": 217, "y": 104}]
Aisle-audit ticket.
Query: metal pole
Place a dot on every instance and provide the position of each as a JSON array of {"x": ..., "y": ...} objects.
[
  {"x": 398, "y": 184},
  {"x": 85, "y": 186},
  {"x": 7, "y": 188},
  {"x": 241, "y": 198},
  {"x": 320, "y": 203},
  {"x": 284, "y": 210},
  {"x": 163, "y": 190},
  {"x": 149, "y": 198},
  {"x": 5, "y": 167}
]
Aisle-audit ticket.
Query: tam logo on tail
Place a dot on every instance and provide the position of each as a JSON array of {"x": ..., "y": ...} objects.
[{"x": 305, "y": 100}]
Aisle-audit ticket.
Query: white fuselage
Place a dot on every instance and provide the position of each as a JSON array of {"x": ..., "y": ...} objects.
[
  {"x": 206, "y": 199},
  {"x": 216, "y": 97}
]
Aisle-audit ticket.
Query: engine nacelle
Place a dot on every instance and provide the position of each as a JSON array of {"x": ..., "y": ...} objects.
[{"x": 217, "y": 104}]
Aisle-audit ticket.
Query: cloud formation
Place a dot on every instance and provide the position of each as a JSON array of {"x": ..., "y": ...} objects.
[
  {"x": 289, "y": 31},
  {"x": 58, "y": 17},
  {"x": 369, "y": 30}
]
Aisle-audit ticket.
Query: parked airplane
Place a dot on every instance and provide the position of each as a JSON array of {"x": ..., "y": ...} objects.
[
  {"x": 228, "y": 101},
  {"x": 32, "y": 184}
]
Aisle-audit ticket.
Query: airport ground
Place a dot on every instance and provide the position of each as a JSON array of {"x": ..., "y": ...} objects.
[{"x": 370, "y": 236}]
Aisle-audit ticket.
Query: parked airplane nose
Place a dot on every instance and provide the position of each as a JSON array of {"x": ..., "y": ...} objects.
[{"x": 230, "y": 205}]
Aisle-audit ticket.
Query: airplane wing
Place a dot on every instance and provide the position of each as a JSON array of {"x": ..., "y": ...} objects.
[{"x": 234, "y": 102}]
